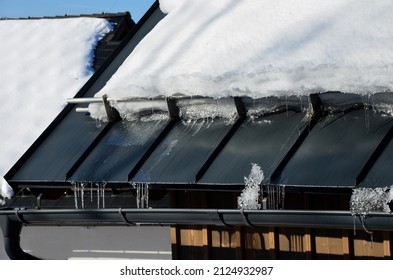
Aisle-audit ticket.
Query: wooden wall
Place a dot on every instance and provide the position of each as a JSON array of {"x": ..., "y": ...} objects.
[{"x": 214, "y": 242}]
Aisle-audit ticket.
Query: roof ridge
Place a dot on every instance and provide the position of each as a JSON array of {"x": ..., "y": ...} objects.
[{"x": 97, "y": 15}]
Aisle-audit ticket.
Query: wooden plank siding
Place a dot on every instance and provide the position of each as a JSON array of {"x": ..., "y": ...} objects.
[
  {"x": 242, "y": 242},
  {"x": 216, "y": 242}
]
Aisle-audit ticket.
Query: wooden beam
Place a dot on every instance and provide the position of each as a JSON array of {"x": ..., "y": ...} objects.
[
  {"x": 239, "y": 239},
  {"x": 386, "y": 245},
  {"x": 346, "y": 251},
  {"x": 273, "y": 242},
  {"x": 175, "y": 242},
  {"x": 207, "y": 242},
  {"x": 308, "y": 247}
]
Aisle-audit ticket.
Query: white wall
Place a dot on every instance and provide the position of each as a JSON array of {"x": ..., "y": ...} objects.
[{"x": 95, "y": 242}]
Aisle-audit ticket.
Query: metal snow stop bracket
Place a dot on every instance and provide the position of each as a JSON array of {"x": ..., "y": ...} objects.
[{"x": 111, "y": 112}]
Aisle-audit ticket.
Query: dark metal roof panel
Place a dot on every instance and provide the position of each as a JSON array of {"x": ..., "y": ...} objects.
[
  {"x": 264, "y": 141},
  {"x": 381, "y": 174},
  {"x": 183, "y": 152},
  {"x": 119, "y": 151},
  {"x": 59, "y": 151},
  {"x": 336, "y": 149}
]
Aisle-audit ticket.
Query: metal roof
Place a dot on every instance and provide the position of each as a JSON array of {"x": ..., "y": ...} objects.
[
  {"x": 294, "y": 147},
  {"x": 324, "y": 143},
  {"x": 336, "y": 149},
  {"x": 342, "y": 140}
]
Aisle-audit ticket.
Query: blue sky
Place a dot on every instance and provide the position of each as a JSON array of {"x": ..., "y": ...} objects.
[{"x": 39, "y": 8}]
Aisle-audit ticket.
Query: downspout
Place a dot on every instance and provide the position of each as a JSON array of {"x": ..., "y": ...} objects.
[{"x": 11, "y": 233}]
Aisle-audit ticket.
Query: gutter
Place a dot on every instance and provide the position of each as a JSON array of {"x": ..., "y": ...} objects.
[
  {"x": 12, "y": 220},
  {"x": 11, "y": 232},
  {"x": 219, "y": 217}
]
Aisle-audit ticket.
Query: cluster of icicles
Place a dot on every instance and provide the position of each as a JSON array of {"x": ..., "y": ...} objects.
[
  {"x": 362, "y": 202},
  {"x": 84, "y": 190},
  {"x": 94, "y": 192}
]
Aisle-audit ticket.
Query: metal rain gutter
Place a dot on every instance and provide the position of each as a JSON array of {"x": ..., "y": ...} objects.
[
  {"x": 13, "y": 220},
  {"x": 11, "y": 232},
  {"x": 221, "y": 217}
]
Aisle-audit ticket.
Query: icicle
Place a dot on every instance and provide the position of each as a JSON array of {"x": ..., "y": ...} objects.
[
  {"x": 269, "y": 194},
  {"x": 286, "y": 106},
  {"x": 98, "y": 123},
  {"x": 268, "y": 197},
  {"x": 91, "y": 191},
  {"x": 198, "y": 127},
  {"x": 301, "y": 103},
  {"x": 142, "y": 186},
  {"x": 354, "y": 225},
  {"x": 366, "y": 230},
  {"x": 278, "y": 195},
  {"x": 142, "y": 194},
  {"x": 367, "y": 119},
  {"x": 147, "y": 195},
  {"x": 367, "y": 111},
  {"x": 98, "y": 195},
  {"x": 82, "y": 189},
  {"x": 309, "y": 109},
  {"x": 309, "y": 114},
  {"x": 275, "y": 197},
  {"x": 76, "y": 195},
  {"x": 138, "y": 201},
  {"x": 261, "y": 196},
  {"x": 103, "y": 195}
]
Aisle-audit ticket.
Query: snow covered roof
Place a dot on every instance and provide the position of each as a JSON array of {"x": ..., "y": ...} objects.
[
  {"x": 322, "y": 143},
  {"x": 155, "y": 134},
  {"x": 261, "y": 48},
  {"x": 44, "y": 61}
]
